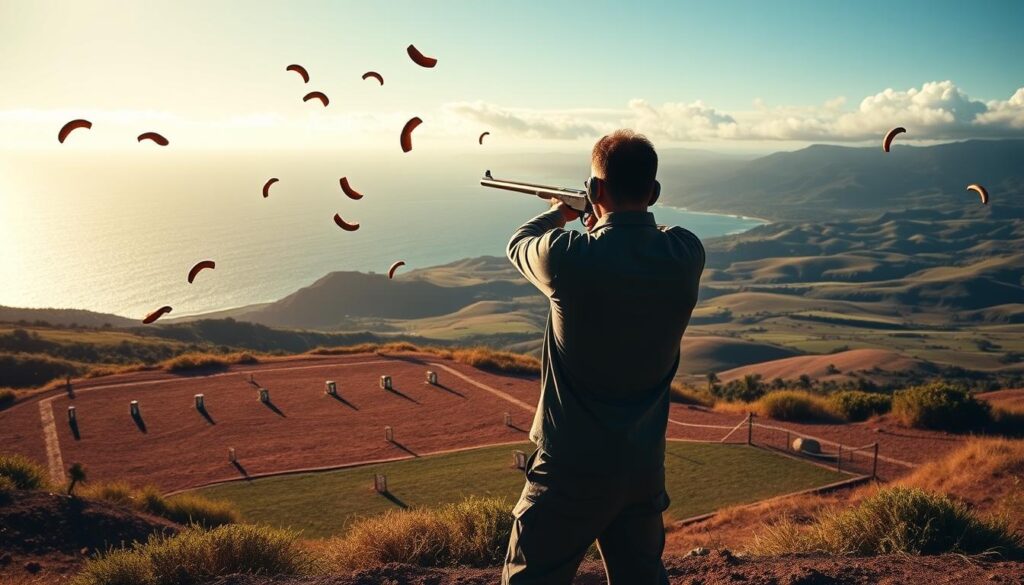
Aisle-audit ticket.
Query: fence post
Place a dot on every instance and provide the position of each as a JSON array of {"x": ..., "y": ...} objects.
[
  {"x": 874, "y": 463},
  {"x": 789, "y": 445},
  {"x": 839, "y": 459},
  {"x": 750, "y": 428}
]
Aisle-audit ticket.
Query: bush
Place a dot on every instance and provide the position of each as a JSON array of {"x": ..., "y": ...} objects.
[
  {"x": 854, "y": 405},
  {"x": 940, "y": 406},
  {"x": 748, "y": 389},
  {"x": 895, "y": 520},
  {"x": 795, "y": 405},
  {"x": 118, "y": 492},
  {"x": 189, "y": 362},
  {"x": 23, "y": 473},
  {"x": 7, "y": 489},
  {"x": 497, "y": 361},
  {"x": 22, "y": 370},
  {"x": 187, "y": 508},
  {"x": 7, "y": 398},
  {"x": 473, "y": 533},
  {"x": 788, "y": 405},
  {"x": 687, "y": 395},
  {"x": 197, "y": 556}
]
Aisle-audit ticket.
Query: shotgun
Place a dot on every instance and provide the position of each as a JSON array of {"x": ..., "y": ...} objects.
[{"x": 574, "y": 198}]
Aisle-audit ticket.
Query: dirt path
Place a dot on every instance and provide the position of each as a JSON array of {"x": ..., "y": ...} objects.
[{"x": 54, "y": 461}]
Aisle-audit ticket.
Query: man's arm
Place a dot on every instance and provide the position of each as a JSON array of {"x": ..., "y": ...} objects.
[{"x": 536, "y": 247}]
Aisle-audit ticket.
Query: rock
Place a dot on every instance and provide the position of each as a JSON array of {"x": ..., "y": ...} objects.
[
  {"x": 700, "y": 551},
  {"x": 806, "y": 445}
]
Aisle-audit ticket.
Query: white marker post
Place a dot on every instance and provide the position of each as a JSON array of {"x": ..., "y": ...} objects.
[
  {"x": 72, "y": 415},
  {"x": 431, "y": 378},
  {"x": 232, "y": 458},
  {"x": 136, "y": 413},
  {"x": 200, "y": 402},
  {"x": 264, "y": 395},
  {"x": 389, "y": 434},
  {"x": 380, "y": 483},
  {"x": 508, "y": 419},
  {"x": 331, "y": 388},
  {"x": 385, "y": 382}
]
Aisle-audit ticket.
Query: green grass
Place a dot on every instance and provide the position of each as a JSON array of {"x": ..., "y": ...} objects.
[{"x": 702, "y": 477}]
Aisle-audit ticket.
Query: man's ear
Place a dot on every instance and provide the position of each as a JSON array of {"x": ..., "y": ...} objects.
[{"x": 655, "y": 193}]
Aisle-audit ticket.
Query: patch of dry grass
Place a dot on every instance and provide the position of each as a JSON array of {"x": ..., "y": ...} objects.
[
  {"x": 787, "y": 405},
  {"x": 478, "y": 357},
  {"x": 198, "y": 361}
]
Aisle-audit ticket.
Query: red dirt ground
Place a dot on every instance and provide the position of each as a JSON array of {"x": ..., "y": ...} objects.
[
  {"x": 181, "y": 449},
  {"x": 716, "y": 568}
]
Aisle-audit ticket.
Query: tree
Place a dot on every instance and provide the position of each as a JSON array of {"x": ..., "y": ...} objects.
[
  {"x": 77, "y": 475},
  {"x": 712, "y": 381}
]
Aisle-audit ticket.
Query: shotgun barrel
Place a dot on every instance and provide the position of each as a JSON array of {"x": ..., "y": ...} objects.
[{"x": 574, "y": 198}]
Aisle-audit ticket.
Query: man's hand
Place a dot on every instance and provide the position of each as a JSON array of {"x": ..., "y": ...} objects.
[{"x": 568, "y": 213}]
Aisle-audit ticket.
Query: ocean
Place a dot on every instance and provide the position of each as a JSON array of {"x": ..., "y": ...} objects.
[{"x": 117, "y": 232}]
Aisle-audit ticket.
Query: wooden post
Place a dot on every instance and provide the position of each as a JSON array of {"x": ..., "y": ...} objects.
[
  {"x": 874, "y": 463},
  {"x": 750, "y": 428},
  {"x": 231, "y": 455},
  {"x": 71, "y": 415},
  {"x": 136, "y": 413},
  {"x": 839, "y": 459},
  {"x": 389, "y": 435},
  {"x": 200, "y": 402},
  {"x": 380, "y": 483},
  {"x": 789, "y": 446},
  {"x": 264, "y": 395},
  {"x": 519, "y": 459},
  {"x": 508, "y": 419}
]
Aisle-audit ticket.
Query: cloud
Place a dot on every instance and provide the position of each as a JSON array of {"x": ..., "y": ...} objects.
[
  {"x": 549, "y": 124},
  {"x": 938, "y": 110}
]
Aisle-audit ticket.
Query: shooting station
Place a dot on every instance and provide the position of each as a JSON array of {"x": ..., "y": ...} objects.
[
  {"x": 330, "y": 388},
  {"x": 264, "y": 395},
  {"x": 134, "y": 406},
  {"x": 389, "y": 434},
  {"x": 431, "y": 378},
  {"x": 72, "y": 415},
  {"x": 385, "y": 382},
  {"x": 380, "y": 483},
  {"x": 200, "y": 402},
  {"x": 232, "y": 458},
  {"x": 519, "y": 460}
]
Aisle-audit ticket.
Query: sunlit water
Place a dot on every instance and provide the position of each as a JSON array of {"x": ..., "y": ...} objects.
[{"x": 117, "y": 232}]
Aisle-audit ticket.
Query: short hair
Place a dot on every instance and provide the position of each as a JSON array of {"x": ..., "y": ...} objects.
[{"x": 628, "y": 163}]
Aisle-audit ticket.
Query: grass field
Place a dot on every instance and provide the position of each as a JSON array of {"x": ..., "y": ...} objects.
[{"x": 702, "y": 477}]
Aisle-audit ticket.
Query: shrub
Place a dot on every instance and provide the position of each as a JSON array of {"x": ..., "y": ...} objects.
[
  {"x": 187, "y": 508},
  {"x": 748, "y": 389},
  {"x": 199, "y": 556},
  {"x": 22, "y": 370},
  {"x": 788, "y": 405},
  {"x": 7, "y": 489},
  {"x": 497, "y": 361},
  {"x": 939, "y": 406},
  {"x": 7, "y": 398},
  {"x": 189, "y": 362},
  {"x": 896, "y": 520},
  {"x": 115, "y": 492},
  {"x": 687, "y": 395},
  {"x": 23, "y": 473},
  {"x": 473, "y": 532},
  {"x": 854, "y": 405}
]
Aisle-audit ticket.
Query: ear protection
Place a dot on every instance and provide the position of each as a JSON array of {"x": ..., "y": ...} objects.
[{"x": 592, "y": 182}]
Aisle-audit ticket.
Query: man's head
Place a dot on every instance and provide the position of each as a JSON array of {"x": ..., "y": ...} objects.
[{"x": 626, "y": 164}]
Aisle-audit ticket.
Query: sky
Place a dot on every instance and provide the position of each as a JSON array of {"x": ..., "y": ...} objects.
[{"x": 539, "y": 74}]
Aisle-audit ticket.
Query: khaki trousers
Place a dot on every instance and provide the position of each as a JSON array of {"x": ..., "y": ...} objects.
[{"x": 561, "y": 513}]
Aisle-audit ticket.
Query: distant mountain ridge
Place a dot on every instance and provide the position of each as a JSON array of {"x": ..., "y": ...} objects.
[{"x": 843, "y": 181}]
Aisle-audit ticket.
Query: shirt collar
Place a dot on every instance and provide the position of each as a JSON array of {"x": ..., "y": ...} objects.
[{"x": 626, "y": 218}]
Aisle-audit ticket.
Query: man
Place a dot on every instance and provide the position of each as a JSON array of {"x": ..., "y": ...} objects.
[{"x": 620, "y": 296}]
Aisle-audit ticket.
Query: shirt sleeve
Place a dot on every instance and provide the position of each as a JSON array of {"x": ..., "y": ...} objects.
[{"x": 537, "y": 247}]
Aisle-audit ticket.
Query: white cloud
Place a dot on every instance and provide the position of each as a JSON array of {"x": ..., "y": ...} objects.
[{"x": 937, "y": 110}]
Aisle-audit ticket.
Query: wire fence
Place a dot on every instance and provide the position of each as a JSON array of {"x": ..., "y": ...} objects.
[{"x": 858, "y": 460}]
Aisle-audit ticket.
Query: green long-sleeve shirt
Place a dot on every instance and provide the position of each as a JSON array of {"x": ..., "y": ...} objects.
[{"x": 620, "y": 299}]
